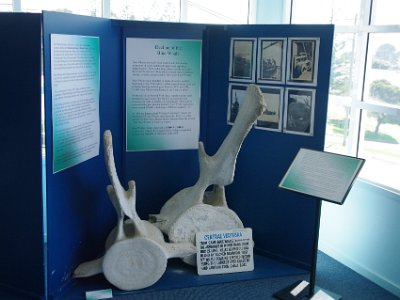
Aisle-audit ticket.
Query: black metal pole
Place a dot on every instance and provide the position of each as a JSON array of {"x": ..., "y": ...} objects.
[{"x": 315, "y": 249}]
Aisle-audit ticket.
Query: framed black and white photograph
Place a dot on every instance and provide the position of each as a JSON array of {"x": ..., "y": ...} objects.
[
  {"x": 242, "y": 63},
  {"x": 299, "y": 111},
  {"x": 271, "y": 119},
  {"x": 303, "y": 61},
  {"x": 237, "y": 95},
  {"x": 271, "y": 60}
]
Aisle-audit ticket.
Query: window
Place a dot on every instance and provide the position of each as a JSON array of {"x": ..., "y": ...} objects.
[
  {"x": 339, "y": 12},
  {"x": 211, "y": 11},
  {"x": 6, "y": 5},
  {"x": 364, "y": 100},
  {"x": 385, "y": 12},
  {"x": 82, "y": 7},
  {"x": 193, "y": 11},
  {"x": 146, "y": 10}
]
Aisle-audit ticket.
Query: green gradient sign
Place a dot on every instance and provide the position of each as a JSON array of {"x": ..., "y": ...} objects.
[
  {"x": 324, "y": 175},
  {"x": 163, "y": 81},
  {"x": 75, "y": 83}
]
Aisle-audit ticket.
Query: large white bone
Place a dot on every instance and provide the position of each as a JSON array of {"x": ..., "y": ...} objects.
[
  {"x": 136, "y": 252},
  {"x": 218, "y": 169},
  {"x": 125, "y": 203},
  {"x": 187, "y": 210}
]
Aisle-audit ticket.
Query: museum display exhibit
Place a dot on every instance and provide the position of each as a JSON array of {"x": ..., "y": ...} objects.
[{"x": 147, "y": 139}]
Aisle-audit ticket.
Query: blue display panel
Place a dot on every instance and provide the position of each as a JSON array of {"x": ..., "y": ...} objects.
[
  {"x": 283, "y": 224},
  {"x": 78, "y": 212},
  {"x": 21, "y": 234}
]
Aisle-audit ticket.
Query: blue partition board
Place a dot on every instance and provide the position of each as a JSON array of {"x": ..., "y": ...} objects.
[
  {"x": 283, "y": 223},
  {"x": 76, "y": 215},
  {"x": 21, "y": 226},
  {"x": 79, "y": 213}
]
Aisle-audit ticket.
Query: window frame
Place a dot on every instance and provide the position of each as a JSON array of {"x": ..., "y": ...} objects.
[{"x": 358, "y": 103}]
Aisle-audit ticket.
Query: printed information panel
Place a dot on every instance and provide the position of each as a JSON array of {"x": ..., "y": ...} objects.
[
  {"x": 163, "y": 81},
  {"x": 75, "y": 83},
  {"x": 324, "y": 175},
  {"x": 224, "y": 251}
]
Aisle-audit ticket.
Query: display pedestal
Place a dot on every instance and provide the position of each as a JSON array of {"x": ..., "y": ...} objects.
[
  {"x": 303, "y": 289},
  {"x": 323, "y": 175}
]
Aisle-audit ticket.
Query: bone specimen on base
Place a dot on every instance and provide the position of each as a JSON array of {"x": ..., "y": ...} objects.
[
  {"x": 193, "y": 209},
  {"x": 136, "y": 252}
]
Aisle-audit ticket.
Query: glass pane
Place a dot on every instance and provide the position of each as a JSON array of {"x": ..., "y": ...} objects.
[
  {"x": 339, "y": 12},
  {"x": 337, "y": 127},
  {"x": 343, "y": 67},
  {"x": 386, "y": 12},
  {"x": 217, "y": 12},
  {"x": 380, "y": 146},
  {"x": 145, "y": 10},
  {"x": 6, "y": 5},
  {"x": 80, "y": 7},
  {"x": 382, "y": 80}
]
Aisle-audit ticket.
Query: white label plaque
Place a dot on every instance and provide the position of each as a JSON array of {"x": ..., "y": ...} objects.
[{"x": 224, "y": 251}]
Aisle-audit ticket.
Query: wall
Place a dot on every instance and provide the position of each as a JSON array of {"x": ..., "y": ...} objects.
[{"x": 364, "y": 234}]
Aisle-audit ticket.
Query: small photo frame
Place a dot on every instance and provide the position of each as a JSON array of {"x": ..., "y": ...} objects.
[
  {"x": 237, "y": 95},
  {"x": 271, "y": 119},
  {"x": 299, "y": 111},
  {"x": 303, "y": 61},
  {"x": 271, "y": 64},
  {"x": 242, "y": 62}
]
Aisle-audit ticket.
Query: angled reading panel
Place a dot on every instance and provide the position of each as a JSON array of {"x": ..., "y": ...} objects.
[{"x": 324, "y": 175}]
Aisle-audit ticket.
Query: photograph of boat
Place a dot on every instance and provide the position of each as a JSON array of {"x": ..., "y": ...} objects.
[
  {"x": 271, "y": 119},
  {"x": 303, "y": 65},
  {"x": 237, "y": 95},
  {"x": 242, "y": 59},
  {"x": 271, "y": 62}
]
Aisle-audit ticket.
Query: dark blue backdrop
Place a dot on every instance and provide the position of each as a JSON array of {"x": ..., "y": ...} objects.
[
  {"x": 21, "y": 226},
  {"x": 78, "y": 213}
]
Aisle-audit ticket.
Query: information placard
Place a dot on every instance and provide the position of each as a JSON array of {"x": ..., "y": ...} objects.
[
  {"x": 163, "y": 81},
  {"x": 325, "y": 175},
  {"x": 75, "y": 78},
  {"x": 224, "y": 251}
]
